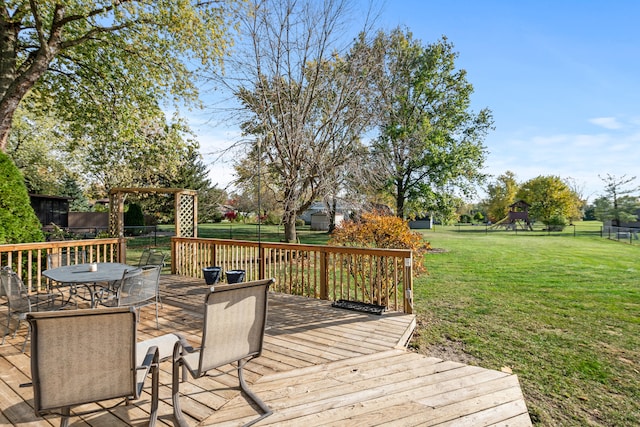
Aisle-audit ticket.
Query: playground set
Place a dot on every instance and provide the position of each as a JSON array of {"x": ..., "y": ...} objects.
[{"x": 518, "y": 216}]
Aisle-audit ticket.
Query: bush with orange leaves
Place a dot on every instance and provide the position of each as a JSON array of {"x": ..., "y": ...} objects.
[{"x": 375, "y": 230}]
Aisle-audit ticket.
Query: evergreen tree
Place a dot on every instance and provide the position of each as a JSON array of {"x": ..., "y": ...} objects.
[
  {"x": 18, "y": 221},
  {"x": 71, "y": 189}
]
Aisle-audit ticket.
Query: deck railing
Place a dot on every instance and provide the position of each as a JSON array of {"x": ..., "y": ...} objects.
[
  {"x": 367, "y": 275},
  {"x": 30, "y": 259}
]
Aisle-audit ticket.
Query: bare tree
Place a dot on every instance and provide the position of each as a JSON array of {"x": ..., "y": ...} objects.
[{"x": 304, "y": 95}]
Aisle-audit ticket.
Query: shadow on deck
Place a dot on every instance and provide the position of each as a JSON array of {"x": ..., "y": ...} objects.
[{"x": 320, "y": 366}]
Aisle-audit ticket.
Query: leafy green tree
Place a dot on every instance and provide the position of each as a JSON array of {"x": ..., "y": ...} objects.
[
  {"x": 552, "y": 201},
  {"x": 56, "y": 48},
  {"x": 616, "y": 188},
  {"x": 36, "y": 147},
  {"x": 478, "y": 217},
  {"x": 501, "y": 194},
  {"x": 430, "y": 140},
  {"x": 254, "y": 178},
  {"x": 601, "y": 208},
  {"x": 589, "y": 213},
  {"x": 18, "y": 221},
  {"x": 137, "y": 150},
  {"x": 628, "y": 208}
]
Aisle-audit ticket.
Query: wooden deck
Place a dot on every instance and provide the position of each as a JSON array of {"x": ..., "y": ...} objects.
[{"x": 320, "y": 366}]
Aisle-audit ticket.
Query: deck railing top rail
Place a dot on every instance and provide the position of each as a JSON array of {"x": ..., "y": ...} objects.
[{"x": 400, "y": 253}]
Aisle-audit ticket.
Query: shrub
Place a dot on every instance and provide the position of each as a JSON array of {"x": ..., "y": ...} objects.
[
  {"x": 133, "y": 218},
  {"x": 217, "y": 217},
  {"x": 379, "y": 231},
  {"x": 271, "y": 219},
  {"x": 382, "y": 231},
  {"x": 556, "y": 223},
  {"x": 18, "y": 221}
]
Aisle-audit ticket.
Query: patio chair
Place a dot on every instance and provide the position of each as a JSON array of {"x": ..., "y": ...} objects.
[
  {"x": 234, "y": 323},
  {"x": 85, "y": 356},
  {"x": 20, "y": 303},
  {"x": 137, "y": 289},
  {"x": 67, "y": 256},
  {"x": 153, "y": 257}
]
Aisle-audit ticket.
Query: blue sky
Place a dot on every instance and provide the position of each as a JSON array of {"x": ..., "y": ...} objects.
[{"x": 562, "y": 79}]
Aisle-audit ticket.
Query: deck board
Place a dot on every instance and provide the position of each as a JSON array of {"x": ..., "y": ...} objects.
[{"x": 320, "y": 366}]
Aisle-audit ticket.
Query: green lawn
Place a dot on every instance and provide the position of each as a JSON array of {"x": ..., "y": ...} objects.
[
  {"x": 560, "y": 310},
  {"x": 249, "y": 231}
]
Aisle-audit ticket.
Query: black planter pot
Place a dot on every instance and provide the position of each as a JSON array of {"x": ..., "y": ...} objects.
[
  {"x": 235, "y": 276},
  {"x": 212, "y": 275}
]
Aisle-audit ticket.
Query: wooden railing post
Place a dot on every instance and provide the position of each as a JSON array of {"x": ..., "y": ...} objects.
[
  {"x": 408, "y": 285},
  {"x": 122, "y": 250},
  {"x": 324, "y": 275},
  {"x": 214, "y": 254},
  {"x": 261, "y": 262},
  {"x": 174, "y": 263}
]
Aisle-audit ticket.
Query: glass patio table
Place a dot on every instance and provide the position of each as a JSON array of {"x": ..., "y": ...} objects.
[{"x": 83, "y": 275}]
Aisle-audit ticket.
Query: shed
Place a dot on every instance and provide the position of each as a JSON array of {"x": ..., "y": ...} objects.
[
  {"x": 51, "y": 209},
  {"x": 425, "y": 222},
  {"x": 320, "y": 221}
]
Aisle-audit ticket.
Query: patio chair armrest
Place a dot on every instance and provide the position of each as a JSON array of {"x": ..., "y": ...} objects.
[
  {"x": 151, "y": 357},
  {"x": 149, "y": 363},
  {"x": 182, "y": 346},
  {"x": 179, "y": 349},
  {"x": 164, "y": 343}
]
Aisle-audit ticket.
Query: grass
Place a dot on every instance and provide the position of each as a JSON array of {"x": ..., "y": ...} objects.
[{"x": 560, "y": 310}]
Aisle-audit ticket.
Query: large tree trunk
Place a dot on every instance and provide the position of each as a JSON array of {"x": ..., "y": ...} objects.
[
  {"x": 8, "y": 58},
  {"x": 290, "y": 234},
  {"x": 400, "y": 198},
  {"x": 332, "y": 207},
  {"x": 16, "y": 82}
]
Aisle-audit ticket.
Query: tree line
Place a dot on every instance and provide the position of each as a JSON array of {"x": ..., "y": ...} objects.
[
  {"x": 558, "y": 202},
  {"x": 381, "y": 118}
]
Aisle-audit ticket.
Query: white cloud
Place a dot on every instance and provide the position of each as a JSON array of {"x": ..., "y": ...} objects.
[{"x": 607, "y": 122}]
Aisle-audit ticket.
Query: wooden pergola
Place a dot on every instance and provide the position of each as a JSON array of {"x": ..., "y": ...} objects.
[{"x": 186, "y": 209}]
